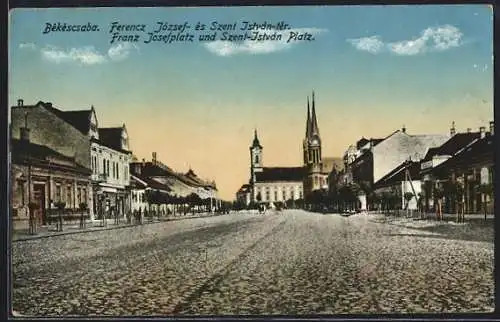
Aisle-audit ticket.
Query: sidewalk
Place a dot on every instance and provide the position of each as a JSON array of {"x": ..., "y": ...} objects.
[
  {"x": 431, "y": 216},
  {"x": 96, "y": 225}
]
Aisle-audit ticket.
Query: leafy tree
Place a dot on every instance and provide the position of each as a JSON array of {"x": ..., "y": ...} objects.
[
  {"x": 438, "y": 194},
  {"x": 487, "y": 190}
]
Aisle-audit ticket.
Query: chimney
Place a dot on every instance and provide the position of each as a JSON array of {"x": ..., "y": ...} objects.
[
  {"x": 154, "y": 158},
  {"x": 403, "y": 129},
  {"x": 25, "y": 131},
  {"x": 452, "y": 129},
  {"x": 20, "y": 102},
  {"x": 49, "y": 104},
  {"x": 469, "y": 130},
  {"x": 482, "y": 131},
  {"x": 492, "y": 128}
]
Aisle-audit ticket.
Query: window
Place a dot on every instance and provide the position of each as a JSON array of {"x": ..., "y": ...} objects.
[
  {"x": 114, "y": 169},
  {"x": 268, "y": 197},
  {"x": 257, "y": 159},
  {"x": 84, "y": 195},
  {"x": 103, "y": 166},
  {"x": 58, "y": 192},
  {"x": 275, "y": 195},
  {"x": 107, "y": 167},
  {"x": 68, "y": 196},
  {"x": 20, "y": 191},
  {"x": 117, "y": 172},
  {"x": 79, "y": 195}
]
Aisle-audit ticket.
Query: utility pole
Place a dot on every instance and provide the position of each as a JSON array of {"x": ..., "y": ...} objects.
[{"x": 31, "y": 220}]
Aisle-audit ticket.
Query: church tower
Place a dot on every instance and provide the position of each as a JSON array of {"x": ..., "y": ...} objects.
[
  {"x": 312, "y": 151},
  {"x": 255, "y": 157}
]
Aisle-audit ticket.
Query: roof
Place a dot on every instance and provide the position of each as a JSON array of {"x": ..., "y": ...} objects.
[
  {"x": 256, "y": 142},
  {"x": 399, "y": 174},
  {"x": 79, "y": 119},
  {"x": 150, "y": 169},
  {"x": 454, "y": 144},
  {"x": 40, "y": 153},
  {"x": 331, "y": 163},
  {"x": 281, "y": 174},
  {"x": 476, "y": 152},
  {"x": 363, "y": 141},
  {"x": 244, "y": 188},
  {"x": 111, "y": 137}
]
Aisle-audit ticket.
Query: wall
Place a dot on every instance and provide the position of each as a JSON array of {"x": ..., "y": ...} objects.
[
  {"x": 406, "y": 186},
  {"x": 399, "y": 147},
  {"x": 285, "y": 190},
  {"x": 137, "y": 195},
  {"x": 49, "y": 130},
  {"x": 100, "y": 153}
]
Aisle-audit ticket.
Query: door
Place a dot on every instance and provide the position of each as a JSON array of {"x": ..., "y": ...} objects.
[{"x": 39, "y": 199}]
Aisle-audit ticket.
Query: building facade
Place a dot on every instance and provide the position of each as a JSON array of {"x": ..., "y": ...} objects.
[
  {"x": 317, "y": 176},
  {"x": 463, "y": 170},
  {"x": 282, "y": 184},
  {"x": 108, "y": 158},
  {"x": 47, "y": 165},
  {"x": 111, "y": 159}
]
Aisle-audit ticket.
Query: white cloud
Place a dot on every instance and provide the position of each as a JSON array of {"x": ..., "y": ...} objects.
[
  {"x": 432, "y": 39},
  {"x": 85, "y": 55},
  {"x": 121, "y": 51},
  {"x": 27, "y": 45},
  {"x": 372, "y": 44},
  {"x": 228, "y": 48}
]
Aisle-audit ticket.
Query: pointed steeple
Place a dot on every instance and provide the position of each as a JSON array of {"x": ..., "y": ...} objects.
[
  {"x": 308, "y": 122},
  {"x": 256, "y": 142},
  {"x": 314, "y": 121}
]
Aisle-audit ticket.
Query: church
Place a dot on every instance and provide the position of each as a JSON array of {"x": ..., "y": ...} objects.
[{"x": 279, "y": 184}]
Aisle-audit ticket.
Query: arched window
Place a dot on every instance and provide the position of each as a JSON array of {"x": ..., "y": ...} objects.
[{"x": 256, "y": 158}]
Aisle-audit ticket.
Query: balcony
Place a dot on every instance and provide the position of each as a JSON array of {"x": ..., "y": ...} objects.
[{"x": 101, "y": 177}]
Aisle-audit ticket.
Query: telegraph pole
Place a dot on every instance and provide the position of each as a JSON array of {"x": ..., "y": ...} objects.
[{"x": 31, "y": 220}]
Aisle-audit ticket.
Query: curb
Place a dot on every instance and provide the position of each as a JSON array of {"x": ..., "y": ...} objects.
[{"x": 102, "y": 229}]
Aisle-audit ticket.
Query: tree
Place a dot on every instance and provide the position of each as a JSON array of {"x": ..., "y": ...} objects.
[
  {"x": 60, "y": 209},
  {"x": 438, "y": 196},
  {"x": 83, "y": 214},
  {"x": 454, "y": 193},
  {"x": 408, "y": 196},
  {"x": 420, "y": 205},
  {"x": 258, "y": 197},
  {"x": 487, "y": 192}
]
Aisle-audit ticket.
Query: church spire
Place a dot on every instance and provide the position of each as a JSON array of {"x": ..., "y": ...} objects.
[
  {"x": 256, "y": 142},
  {"x": 314, "y": 121},
  {"x": 308, "y": 122}
]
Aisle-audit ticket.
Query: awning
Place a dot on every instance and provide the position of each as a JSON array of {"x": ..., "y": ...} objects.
[{"x": 107, "y": 189}]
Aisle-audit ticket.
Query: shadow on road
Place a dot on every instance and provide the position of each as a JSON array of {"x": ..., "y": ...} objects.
[{"x": 481, "y": 232}]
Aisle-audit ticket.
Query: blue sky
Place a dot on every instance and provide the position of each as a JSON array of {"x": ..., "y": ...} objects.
[{"x": 373, "y": 69}]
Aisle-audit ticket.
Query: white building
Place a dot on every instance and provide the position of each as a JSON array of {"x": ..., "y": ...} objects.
[{"x": 109, "y": 160}]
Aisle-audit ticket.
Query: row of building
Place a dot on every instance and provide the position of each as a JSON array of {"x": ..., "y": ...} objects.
[
  {"x": 428, "y": 166},
  {"x": 64, "y": 157},
  {"x": 400, "y": 163}
]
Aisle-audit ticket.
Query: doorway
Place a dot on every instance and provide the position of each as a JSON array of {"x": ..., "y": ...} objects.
[{"x": 39, "y": 199}]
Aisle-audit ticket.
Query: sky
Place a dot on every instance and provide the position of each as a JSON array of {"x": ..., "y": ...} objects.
[{"x": 373, "y": 69}]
